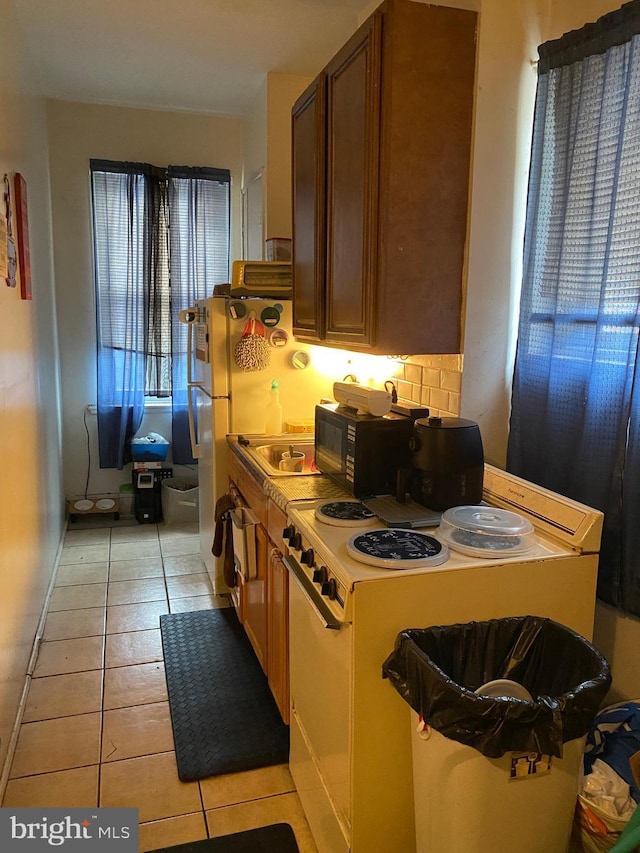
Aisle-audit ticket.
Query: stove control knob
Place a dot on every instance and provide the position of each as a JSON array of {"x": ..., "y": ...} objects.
[
  {"x": 330, "y": 589},
  {"x": 288, "y": 532},
  {"x": 320, "y": 575},
  {"x": 308, "y": 557},
  {"x": 296, "y": 541}
]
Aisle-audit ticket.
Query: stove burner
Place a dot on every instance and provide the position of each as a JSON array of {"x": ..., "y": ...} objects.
[
  {"x": 397, "y": 549},
  {"x": 344, "y": 514}
]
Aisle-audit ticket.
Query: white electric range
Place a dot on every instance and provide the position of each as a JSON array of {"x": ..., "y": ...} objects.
[{"x": 350, "y": 735}]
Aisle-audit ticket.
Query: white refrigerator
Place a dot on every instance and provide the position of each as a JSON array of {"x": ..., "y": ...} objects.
[{"x": 226, "y": 399}]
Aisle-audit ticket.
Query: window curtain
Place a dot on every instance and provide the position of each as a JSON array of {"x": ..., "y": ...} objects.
[
  {"x": 199, "y": 203},
  {"x": 129, "y": 202},
  {"x": 575, "y": 417}
]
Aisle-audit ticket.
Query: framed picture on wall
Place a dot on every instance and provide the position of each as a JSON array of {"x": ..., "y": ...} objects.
[
  {"x": 4, "y": 259},
  {"x": 10, "y": 260},
  {"x": 22, "y": 217}
]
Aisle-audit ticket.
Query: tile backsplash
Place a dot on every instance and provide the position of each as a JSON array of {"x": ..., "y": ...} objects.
[{"x": 430, "y": 380}]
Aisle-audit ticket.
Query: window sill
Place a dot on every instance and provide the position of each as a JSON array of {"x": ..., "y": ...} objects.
[{"x": 149, "y": 408}]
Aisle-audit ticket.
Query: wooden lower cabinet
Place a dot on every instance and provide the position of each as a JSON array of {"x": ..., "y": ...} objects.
[
  {"x": 278, "y": 632},
  {"x": 262, "y": 603},
  {"x": 237, "y": 601}
]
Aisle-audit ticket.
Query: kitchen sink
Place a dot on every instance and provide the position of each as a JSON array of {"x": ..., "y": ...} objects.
[
  {"x": 266, "y": 451},
  {"x": 271, "y": 454}
]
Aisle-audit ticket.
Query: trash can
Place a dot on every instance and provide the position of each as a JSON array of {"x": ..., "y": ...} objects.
[
  {"x": 179, "y": 501},
  {"x": 497, "y": 772}
]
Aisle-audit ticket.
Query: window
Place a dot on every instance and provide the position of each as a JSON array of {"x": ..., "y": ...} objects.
[
  {"x": 575, "y": 419},
  {"x": 161, "y": 241}
]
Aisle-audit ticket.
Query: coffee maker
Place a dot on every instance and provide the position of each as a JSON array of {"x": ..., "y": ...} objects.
[{"x": 447, "y": 464}]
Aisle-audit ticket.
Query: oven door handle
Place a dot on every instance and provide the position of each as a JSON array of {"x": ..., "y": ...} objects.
[{"x": 320, "y": 608}]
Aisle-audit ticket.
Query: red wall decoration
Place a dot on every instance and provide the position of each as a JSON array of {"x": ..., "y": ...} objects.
[{"x": 22, "y": 217}]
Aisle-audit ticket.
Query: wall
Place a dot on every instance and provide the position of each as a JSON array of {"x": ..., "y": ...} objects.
[
  {"x": 31, "y": 517},
  {"x": 267, "y": 146},
  {"x": 283, "y": 91},
  {"x": 254, "y": 167},
  {"x": 508, "y": 36},
  {"x": 431, "y": 381},
  {"x": 78, "y": 132}
]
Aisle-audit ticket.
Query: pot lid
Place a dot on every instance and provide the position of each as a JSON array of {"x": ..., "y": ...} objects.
[
  {"x": 436, "y": 422},
  {"x": 486, "y": 531}
]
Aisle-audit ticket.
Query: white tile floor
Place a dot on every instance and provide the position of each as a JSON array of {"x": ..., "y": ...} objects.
[{"x": 96, "y": 729}]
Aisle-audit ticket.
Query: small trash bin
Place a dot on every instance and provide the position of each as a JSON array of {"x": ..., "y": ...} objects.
[
  {"x": 491, "y": 772},
  {"x": 179, "y": 501}
]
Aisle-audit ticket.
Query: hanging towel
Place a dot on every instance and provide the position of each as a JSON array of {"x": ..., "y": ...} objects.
[{"x": 223, "y": 535}]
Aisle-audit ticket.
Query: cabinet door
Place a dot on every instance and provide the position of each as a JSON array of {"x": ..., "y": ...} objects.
[
  {"x": 308, "y": 163},
  {"x": 278, "y": 633},
  {"x": 254, "y": 599},
  {"x": 353, "y": 135}
]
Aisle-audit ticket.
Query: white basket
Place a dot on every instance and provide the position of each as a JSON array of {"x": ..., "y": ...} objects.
[{"x": 179, "y": 501}]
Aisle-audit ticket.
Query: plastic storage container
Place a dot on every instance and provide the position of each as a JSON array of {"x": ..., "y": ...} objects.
[
  {"x": 497, "y": 773},
  {"x": 179, "y": 501},
  {"x": 149, "y": 448},
  {"x": 278, "y": 248}
]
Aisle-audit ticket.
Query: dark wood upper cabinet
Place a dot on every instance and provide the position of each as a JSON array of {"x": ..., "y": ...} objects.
[
  {"x": 308, "y": 160},
  {"x": 381, "y": 167}
]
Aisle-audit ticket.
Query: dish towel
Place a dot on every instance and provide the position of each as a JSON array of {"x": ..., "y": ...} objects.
[{"x": 223, "y": 536}]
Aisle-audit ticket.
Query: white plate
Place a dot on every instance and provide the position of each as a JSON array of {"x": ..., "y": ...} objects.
[{"x": 504, "y": 687}]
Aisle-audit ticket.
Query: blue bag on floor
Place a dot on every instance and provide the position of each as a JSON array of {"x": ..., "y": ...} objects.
[{"x": 615, "y": 738}]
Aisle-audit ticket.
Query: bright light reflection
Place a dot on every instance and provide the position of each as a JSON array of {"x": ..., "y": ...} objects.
[{"x": 371, "y": 370}]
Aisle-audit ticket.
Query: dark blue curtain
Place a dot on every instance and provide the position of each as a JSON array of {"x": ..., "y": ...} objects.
[
  {"x": 575, "y": 405},
  {"x": 129, "y": 203},
  {"x": 199, "y": 204}
]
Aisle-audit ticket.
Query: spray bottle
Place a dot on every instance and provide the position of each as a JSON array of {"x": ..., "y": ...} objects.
[{"x": 273, "y": 424}]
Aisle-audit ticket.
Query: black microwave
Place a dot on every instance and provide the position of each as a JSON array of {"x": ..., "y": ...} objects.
[{"x": 361, "y": 453}]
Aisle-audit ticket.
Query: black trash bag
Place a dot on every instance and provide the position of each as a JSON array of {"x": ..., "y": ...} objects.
[{"x": 436, "y": 670}]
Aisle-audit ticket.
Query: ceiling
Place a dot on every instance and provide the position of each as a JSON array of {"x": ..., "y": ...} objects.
[{"x": 200, "y": 55}]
